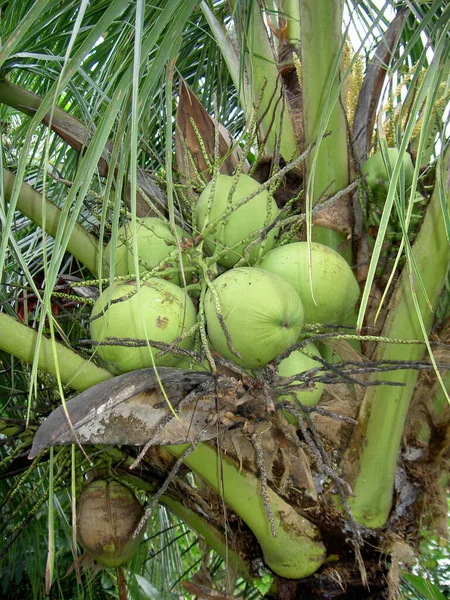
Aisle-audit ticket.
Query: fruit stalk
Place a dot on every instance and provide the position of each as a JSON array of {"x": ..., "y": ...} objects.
[
  {"x": 297, "y": 551},
  {"x": 372, "y": 456}
]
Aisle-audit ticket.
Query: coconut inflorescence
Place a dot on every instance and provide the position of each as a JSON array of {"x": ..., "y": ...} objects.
[
  {"x": 252, "y": 314},
  {"x": 108, "y": 514}
]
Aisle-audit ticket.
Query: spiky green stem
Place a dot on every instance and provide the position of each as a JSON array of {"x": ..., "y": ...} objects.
[{"x": 372, "y": 456}]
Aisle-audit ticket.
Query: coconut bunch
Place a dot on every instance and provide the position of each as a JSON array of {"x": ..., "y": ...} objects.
[{"x": 228, "y": 285}]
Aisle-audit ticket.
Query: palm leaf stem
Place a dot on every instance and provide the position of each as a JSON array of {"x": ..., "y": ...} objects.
[
  {"x": 259, "y": 75},
  {"x": 74, "y": 370},
  {"x": 82, "y": 245},
  {"x": 321, "y": 53},
  {"x": 297, "y": 551},
  {"x": 372, "y": 456}
]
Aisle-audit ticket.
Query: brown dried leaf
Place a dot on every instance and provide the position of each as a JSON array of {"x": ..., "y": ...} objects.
[
  {"x": 187, "y": 143},
  {"x": 339, "y": 400},
  {"x": 127, "y": 410},
  {"x": 338, "y": 216},
  {"x": 369, "y": 96},
  {"x": 364, "y": 121}
]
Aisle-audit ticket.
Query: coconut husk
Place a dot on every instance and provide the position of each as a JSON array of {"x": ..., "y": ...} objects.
[{"x": 285, "y": 463}]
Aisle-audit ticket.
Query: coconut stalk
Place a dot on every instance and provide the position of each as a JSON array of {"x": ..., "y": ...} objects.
[
  {"x": 74, "y": 371},
  {"x": 371, "y": 459},
  {"x": 82, "y": 245},
  {"x": 259, "y": 75},
  {"x": 321, "y": 52},
  {"x": 297, "y": 550}
]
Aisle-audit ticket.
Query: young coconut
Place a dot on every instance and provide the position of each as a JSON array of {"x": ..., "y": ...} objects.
[
  {"x": 160, "y": 311},
  {"x": 298, "y": 362},
  {"x": 262, "y": 312},
  {"x": 377, "y": 174},
  {"x": 334, "y": 286},
  {"x": 255, "y": 214},
  {"x": 107, "y": 516},
  {"x": 155, "y": 242}
]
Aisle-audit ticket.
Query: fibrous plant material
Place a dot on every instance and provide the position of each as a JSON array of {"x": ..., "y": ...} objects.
[{"x": 107, "y": 516}]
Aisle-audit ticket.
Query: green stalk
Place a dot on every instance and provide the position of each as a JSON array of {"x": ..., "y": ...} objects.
[
  {"x": 75, "y": 371},
  {"x": 291, "y": 11},
  {"x": 30, "y": 203},
  {"x": 372, "y": 456},
  {"x": 28, "y": 103},
  {"x": 321, "y": 49},
  {"x": 260, "y": 72},
  {"x": 297, "y": 551}
]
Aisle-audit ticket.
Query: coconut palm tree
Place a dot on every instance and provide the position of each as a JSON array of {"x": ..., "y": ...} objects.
[{"x": 114, "y": 113}]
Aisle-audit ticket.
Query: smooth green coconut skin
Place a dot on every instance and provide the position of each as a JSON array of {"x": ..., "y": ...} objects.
[
  {"x": 297, "y": 362},
  {"x": 377, "y": 174},
  {"x": 107, "y": 516},
  {"x": 255, "y": 214},
  {"x": 335, "y": 288},
  {"x": 161, "y": 312},
  {"x": 155, "y": 242},
  {"x": 262, "y": 312}
]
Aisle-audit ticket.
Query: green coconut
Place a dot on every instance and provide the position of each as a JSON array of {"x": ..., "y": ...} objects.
[
  {"x": 334, "y": 286},
  {"x": 155, "y": 242},
  {"x": 108, "y": 514},
  {"x": 262, "y": 312},
  {"x": 377, "y": 174},
  {"x": 160, "y": 312},
  {"x": 298, "y": 362},
  {"x": 233, "y": 229}
]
